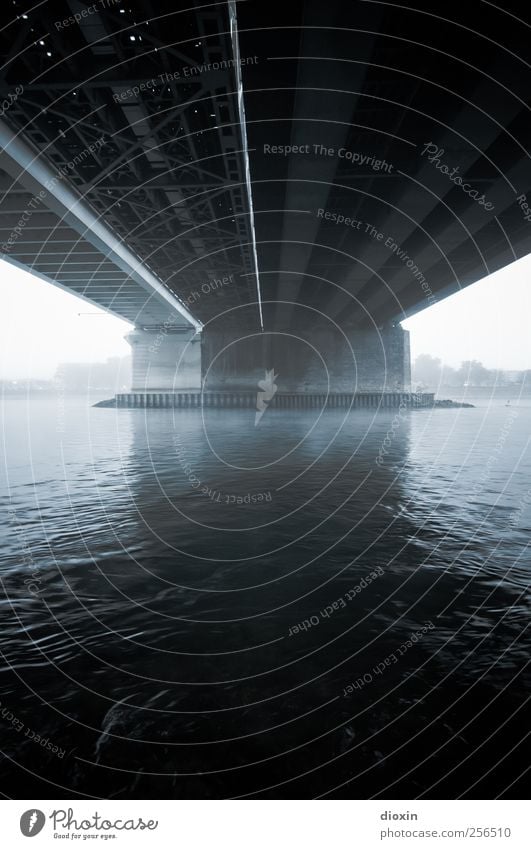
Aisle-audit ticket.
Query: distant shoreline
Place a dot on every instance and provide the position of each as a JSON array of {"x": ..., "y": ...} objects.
[{"x": 457, "y": 393}]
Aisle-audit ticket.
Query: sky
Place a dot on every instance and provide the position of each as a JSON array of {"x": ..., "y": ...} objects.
[
  {"x": 42, "y": 326},
  {"x": 488, "y": 321}
]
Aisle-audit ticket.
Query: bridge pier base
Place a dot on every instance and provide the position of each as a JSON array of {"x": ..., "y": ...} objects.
[{"x": 165, "y": 359}]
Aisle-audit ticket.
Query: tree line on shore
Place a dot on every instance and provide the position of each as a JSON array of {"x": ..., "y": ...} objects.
[{"x": 430, "y": 372}]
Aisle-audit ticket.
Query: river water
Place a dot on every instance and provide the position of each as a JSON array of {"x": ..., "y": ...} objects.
[{"x": 321, "y": 605}]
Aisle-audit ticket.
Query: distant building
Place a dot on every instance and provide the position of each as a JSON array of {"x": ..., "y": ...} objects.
[{"x": 112, "y": 376}]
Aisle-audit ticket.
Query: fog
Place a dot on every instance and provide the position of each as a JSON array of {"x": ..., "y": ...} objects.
[
  {"x": 487, "y": 321},
  {"x": 42, "y": 326}
]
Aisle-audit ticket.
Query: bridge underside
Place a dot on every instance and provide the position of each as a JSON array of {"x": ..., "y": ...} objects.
[{"x": 273, "y": 189}]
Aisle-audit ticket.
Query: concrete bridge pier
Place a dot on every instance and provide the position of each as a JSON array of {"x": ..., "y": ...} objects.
[
  {"x": 165, "y": 359},
  {"x": 313, "y": 361},
  {"x": 177, "y": 366}
]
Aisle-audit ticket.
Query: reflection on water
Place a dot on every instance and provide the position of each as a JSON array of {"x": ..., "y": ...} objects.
[{"x": 197, "y": 607}]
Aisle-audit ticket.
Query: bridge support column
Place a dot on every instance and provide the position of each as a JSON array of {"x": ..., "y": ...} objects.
[
  {"x": 165, "y": 359},
  {"x": 310, "y": 361}
]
